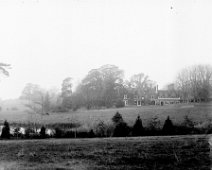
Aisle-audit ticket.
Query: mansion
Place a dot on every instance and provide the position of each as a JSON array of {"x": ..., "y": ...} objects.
[{"x": 158, "y": 97}]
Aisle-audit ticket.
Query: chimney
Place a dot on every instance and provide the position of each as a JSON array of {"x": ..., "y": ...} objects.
[{"x": 156, "y": 89}]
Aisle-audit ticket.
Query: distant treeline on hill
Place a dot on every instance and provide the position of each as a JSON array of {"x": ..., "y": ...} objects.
[
  {"x": 118, "y": 128},
  {"x": 105, "y": 87}
]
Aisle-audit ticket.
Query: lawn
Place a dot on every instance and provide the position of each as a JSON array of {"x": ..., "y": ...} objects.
[
  {"x": 177, "y": 152},
  {"x": 89, "y": 118}
]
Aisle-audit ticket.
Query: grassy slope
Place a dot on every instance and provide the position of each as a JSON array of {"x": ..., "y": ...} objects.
[
  {"x": 198, "y": 112},
  {"x": 89, "y": 118},
  {"x": 179, "y": 152}
]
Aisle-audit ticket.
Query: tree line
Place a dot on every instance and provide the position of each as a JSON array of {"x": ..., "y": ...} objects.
[
  {"x": 117, "y": 128},
  {"x": 194, "y": 83},
  {"x": 106, "y": 87},
  {"x": 101, "y": 87}
]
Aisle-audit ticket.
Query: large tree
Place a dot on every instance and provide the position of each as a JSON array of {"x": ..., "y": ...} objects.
[
  {"x": 142, "y": 86},
  {"x": 37, "y": 99},
  {"x": 102, "y": 86},
  {"x": 112, "y": 83},
  {"x": 66, "y": 93},
  {"x": 195, "y": 82}
]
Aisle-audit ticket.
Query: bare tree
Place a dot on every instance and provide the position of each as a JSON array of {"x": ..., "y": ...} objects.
[
  {"x": 194, "y": 82},
  {"x": 4, "y": 68},
  {"x": 142, "y": 85},
  {"x": 66, "y": 93},
  {"x": 38, "y": 100}
]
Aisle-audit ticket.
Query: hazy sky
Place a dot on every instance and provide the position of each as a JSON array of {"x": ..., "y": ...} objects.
[{"x": 47, "y": 41}]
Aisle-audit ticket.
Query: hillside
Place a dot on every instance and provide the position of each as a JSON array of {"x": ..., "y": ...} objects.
[{"x": 88, "y": 118}]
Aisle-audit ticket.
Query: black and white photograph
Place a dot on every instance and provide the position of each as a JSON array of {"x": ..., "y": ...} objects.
[{"x": 105, "y": 85}]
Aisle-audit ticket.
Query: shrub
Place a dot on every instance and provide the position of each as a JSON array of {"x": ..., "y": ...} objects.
[
  {"x": 153, "y": 126},
  {"x": 154, "y": 123},
  {"x": 69, "y": 134},
  {"x": 101, "y": 129},
  {"x": 82, "y": 134},
  {"x": 17, "y": 132},
  {"x": 58, "y": 132},
  {"x": 117, "y": 118},
  {"x": 188, "y": 122},
  {"x": 109, "y": 130},
  {"x": 119, "y": 104},
  {"x": 138, "y": 129},
  {"x": 91, "y": 134},
  {"x": 204, "y": 127},
  {"x": 187, "y": 127},
  {"x": 168, "y": 127},
  {"x": 29, "y": 132},
  {"x": 121, "y": 130},
  {"x": 5, "y": 130},
  {"x": 43, "y": 132}
]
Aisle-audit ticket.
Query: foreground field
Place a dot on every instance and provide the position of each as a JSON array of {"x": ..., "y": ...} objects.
[{"x": 179, "y": 152}]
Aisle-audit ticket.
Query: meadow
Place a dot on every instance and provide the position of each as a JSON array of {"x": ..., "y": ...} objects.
[
  {"x": 88, "y": 119},
  {"x": 173, "y": 152},
  {"x": 156, "y": 152}
]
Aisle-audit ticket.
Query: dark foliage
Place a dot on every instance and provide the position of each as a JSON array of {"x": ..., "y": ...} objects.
[
  {"x": 121, "y": 129},
  {"x": 91, "y": 134},
  {"x": 43, "y": 132},
  {"x": 30, "y": 133},
  {"x": 117, "y": 118},
  {"x": 101, "y": 129},
  {"x": 17, "y": 133},
  {"x": 154, "y": 123},
  {"x": 187, "y": 127},
  {"x": 138, "y": 129},
  {"x": 5, "y": 130},
  {"x": 188, "y": 122},
  {"x": 168, "y": 127},
  {"x": 58, "y": 132}
]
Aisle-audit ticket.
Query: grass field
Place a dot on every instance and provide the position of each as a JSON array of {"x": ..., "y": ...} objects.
[
  {"x": 165, "y": 152},
  {"x": 89, "y": 118},
  {"x": 178, "y": 152}
]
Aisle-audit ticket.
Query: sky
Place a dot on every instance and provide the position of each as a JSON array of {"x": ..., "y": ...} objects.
[{"x": 46, "y": 41}]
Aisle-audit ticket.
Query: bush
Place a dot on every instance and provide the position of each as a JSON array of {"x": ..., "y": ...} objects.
[
  {"x": 109, "y": 130},
  {"x": 168, "y": 127},
  {"x": 121, "y": 130},
  {"x": 82, "y": 134},
  {"x": 153, "y": 127},
  {"x": 29, "y": 133},
  {"x": 43, "y": 132},
  {"x": 119, "y": 104},
  {"x": 91, "y": 134},
  {"x": 117, "y": 118},
  {"x": 101, "y": 129},
  {"x": 188, "y": 122},
  {"x": 17, "y": 132},
  {"x": 69, "y": 134},
  {"x": 138, "y": 129},
  {"x": 154, "y": 123},
  {"x": 5, "y": 130},
  {"x": 187, "y": 127},
  {"x": 58, "y": 132},
  {"x": 204, "y": 127}
]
